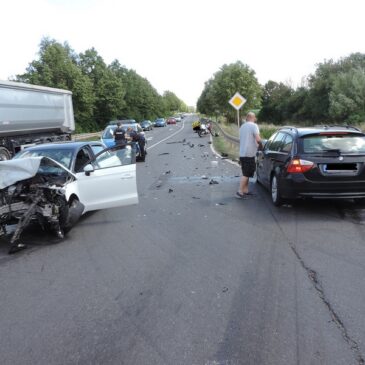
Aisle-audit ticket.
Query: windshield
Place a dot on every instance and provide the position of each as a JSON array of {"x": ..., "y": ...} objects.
[
  {"x": 343, "y": 143},
  {"x": 108, "y": 133},
  {"x": 62, "y": 156}
]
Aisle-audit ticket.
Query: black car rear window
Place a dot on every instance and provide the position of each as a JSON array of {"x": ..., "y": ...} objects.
[{"x": 326, "y": 142}]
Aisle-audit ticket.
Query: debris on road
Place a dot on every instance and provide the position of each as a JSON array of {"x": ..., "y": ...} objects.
[
  {"x": 213, "y": 182},
  {"x": 224, "y": 154},
  {"x": 224, "y": 290},
  {"x": 201, "y": 145},
  {"x": 183, "y": 141},
  {"x": 220, "y": 204},
  {"x": 168, "y": 172},
  {"x": 195, "y": 197},
  {"x": 164, "y": 153},
  {"x": 210, "y": 142},
  {"x": 204, "y": 177},
  {"x": 171, "y": 190}
]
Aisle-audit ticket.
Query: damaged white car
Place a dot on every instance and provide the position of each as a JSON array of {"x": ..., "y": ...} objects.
[{"x": 39, "y": 189}]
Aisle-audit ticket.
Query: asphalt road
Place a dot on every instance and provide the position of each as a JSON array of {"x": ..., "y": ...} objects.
[{"x": 190, "y": 276}]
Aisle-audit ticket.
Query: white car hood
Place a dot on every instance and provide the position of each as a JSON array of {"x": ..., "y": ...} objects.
[{"x": 12, "y": 171}]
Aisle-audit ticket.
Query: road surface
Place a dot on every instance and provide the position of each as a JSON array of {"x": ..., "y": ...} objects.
[{"x": 191, "y": 275}]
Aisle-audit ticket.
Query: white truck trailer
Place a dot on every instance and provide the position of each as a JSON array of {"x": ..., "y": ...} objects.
[{"x": 31, "y": 114}]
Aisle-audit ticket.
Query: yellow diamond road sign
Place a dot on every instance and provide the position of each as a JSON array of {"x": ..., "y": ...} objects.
[{"x": 237, "y": 101}]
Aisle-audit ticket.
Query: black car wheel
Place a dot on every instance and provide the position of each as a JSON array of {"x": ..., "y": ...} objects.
[{"x": 276, "y": 191}]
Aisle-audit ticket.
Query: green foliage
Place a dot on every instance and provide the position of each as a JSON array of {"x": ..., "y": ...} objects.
[
  {"x": 57, "y": 67},
  {"x": 101, "y": 92},
  {"x": 335, "y": 93},
  {"x": 224, "y": 84},
  {"x": 275, "y": 102},
  {"x": 347, "y": 97},
  {"x": 108, "y": 88}
]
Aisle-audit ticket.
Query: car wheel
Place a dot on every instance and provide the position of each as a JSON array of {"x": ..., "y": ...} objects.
[
  {"x": 4, "y": 154},
  {"x": 276, "y": 191}
]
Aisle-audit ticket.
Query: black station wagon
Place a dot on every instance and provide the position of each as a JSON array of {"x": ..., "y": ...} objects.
[{"x": 316, "y": 162}]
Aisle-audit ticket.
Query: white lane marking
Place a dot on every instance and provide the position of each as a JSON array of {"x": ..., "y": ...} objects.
[
  {"x": 165, "y": 139},
  {"x": 149, "y": 138}
]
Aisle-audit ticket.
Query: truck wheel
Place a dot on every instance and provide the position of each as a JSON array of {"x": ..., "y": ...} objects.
[{"x": 4, "y": 154}]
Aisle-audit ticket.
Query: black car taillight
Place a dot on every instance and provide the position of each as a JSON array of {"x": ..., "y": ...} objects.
[{"x": 298, "y": 166}]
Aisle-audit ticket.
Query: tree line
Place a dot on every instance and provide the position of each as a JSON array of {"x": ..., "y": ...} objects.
[
  {"x": 334, "y": 93},
  {"x": 101, "y": 92}
]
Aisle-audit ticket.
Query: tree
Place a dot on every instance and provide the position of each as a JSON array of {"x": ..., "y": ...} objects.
[
  {"x": 57, "y": 67},
  {"x": 224, "y": 84},
  {"x": 347, "y": 97},
  {"x": 172, "y": 102},
  {"x": 101, "y": 92},
  {"x": 275, "y": 102},
  {"x": 108, "y": 87}
]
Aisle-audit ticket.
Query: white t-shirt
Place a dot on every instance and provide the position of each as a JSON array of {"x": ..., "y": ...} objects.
[{"x": 248, "y": 144}]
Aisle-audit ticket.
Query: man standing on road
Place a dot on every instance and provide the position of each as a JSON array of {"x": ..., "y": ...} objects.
[
  {"x": 249, "y": 141},
  {"x": 138, "y": 138}
]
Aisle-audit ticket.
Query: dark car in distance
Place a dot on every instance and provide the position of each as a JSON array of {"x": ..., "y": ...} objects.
[
  {"x": 146, "y": 125},
  {"x": 160, "y": 122},
  {"x": 316, "y": 162}
]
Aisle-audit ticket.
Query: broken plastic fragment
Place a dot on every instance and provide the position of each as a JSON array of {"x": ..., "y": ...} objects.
[{"x": 213, "y": 182}]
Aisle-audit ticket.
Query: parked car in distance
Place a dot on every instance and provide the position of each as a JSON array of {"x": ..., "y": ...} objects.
[
  {"x": 146, "y": 125},
  {"x": 177, "y": 118},
  {"x": 107, "y": 136},
  {"x": 317, "y": 162},
  {"x": 171, "y": 120},
  {"x": 160, "y": 122}
]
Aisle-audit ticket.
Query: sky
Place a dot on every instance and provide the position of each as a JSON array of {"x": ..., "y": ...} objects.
[{"x": 179, "y": 44}]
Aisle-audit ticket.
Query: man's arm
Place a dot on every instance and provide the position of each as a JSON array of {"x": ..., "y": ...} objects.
[{"x": 259, "y": 141}]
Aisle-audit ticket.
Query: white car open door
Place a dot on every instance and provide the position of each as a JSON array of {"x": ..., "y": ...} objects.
[{"x": 109, "y": 181}]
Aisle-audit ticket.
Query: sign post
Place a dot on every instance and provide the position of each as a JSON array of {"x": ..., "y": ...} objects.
[{"x": 237, "y": 101}]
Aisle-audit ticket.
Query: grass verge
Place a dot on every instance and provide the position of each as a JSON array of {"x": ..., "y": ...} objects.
[{"x": 226, "y": 148}]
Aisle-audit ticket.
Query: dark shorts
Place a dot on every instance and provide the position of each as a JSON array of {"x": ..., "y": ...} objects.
[{"x": 248, "y": 165}]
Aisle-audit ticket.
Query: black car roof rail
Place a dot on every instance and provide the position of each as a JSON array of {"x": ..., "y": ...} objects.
[
  {"x": 290, "y": 127},
  {"x": 339, "y": 125}
]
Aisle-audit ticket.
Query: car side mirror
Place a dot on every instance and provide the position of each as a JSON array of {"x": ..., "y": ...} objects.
[{"x": 88, "y": 169}]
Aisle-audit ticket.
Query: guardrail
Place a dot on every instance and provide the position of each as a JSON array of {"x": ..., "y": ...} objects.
[
  {"x": 227, "y": 135},
  {"x": 78, "y": 137}
]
